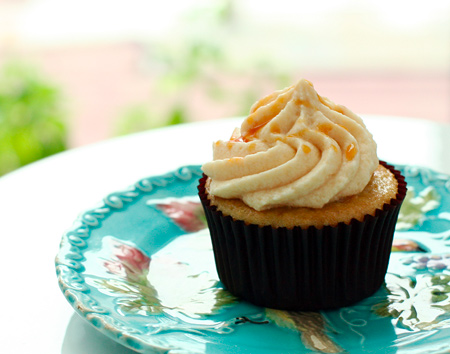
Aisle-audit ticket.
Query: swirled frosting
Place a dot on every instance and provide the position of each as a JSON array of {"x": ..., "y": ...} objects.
[{"x": 296, "y": 149}]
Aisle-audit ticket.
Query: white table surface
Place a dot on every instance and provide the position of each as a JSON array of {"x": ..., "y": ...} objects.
[{"x": 40, "y": 201}]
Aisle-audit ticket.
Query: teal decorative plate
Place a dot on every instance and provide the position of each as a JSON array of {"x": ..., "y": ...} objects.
[{"x": 140, "y": 269}]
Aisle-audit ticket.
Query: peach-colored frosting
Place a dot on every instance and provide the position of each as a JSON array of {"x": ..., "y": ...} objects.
[{"x": 296, "y": 149}]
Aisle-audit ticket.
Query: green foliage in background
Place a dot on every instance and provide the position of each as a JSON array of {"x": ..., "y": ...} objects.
[
  {"x": 198, "y": 63},
  {"x": 139, "y": 118},
  {"x": 31, "y": 117}
]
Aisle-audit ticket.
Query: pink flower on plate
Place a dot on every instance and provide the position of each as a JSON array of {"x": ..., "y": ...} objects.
[
  {"x": 115, "y": 267},
  {"x": 131, "y": 263},
  {"x": 132, "y": 257},
  {"x": 186, "y": 214},
  {"x": 405, "y": 245}
]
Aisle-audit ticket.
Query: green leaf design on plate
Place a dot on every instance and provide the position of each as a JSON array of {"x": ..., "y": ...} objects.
[
  {"x": 133, "y": 298},
  {"x": 312, "y": 326},
  {"x": 145, "y": 286},
  {"x": 420, "y": 303},
  {"x": 414, "y": 208}
]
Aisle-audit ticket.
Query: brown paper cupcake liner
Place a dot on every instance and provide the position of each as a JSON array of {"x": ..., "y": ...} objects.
[{"x": 304, "y": 269}]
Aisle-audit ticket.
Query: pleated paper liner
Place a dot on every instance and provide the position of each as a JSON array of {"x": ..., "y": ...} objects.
[{"x": 304, "y": 269}]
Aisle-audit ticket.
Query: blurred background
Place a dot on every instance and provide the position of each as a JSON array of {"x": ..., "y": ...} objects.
[{"x": 78, "y": 72}]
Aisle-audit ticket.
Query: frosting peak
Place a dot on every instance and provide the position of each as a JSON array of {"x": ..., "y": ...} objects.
[{"x": 295, "y": 148}]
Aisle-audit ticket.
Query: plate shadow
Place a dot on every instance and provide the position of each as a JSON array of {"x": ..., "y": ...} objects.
[{"x": 81, "y": 337}]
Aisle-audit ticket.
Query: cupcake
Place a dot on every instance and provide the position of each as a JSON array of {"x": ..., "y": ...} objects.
[{"x": 300, "y": 210}]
